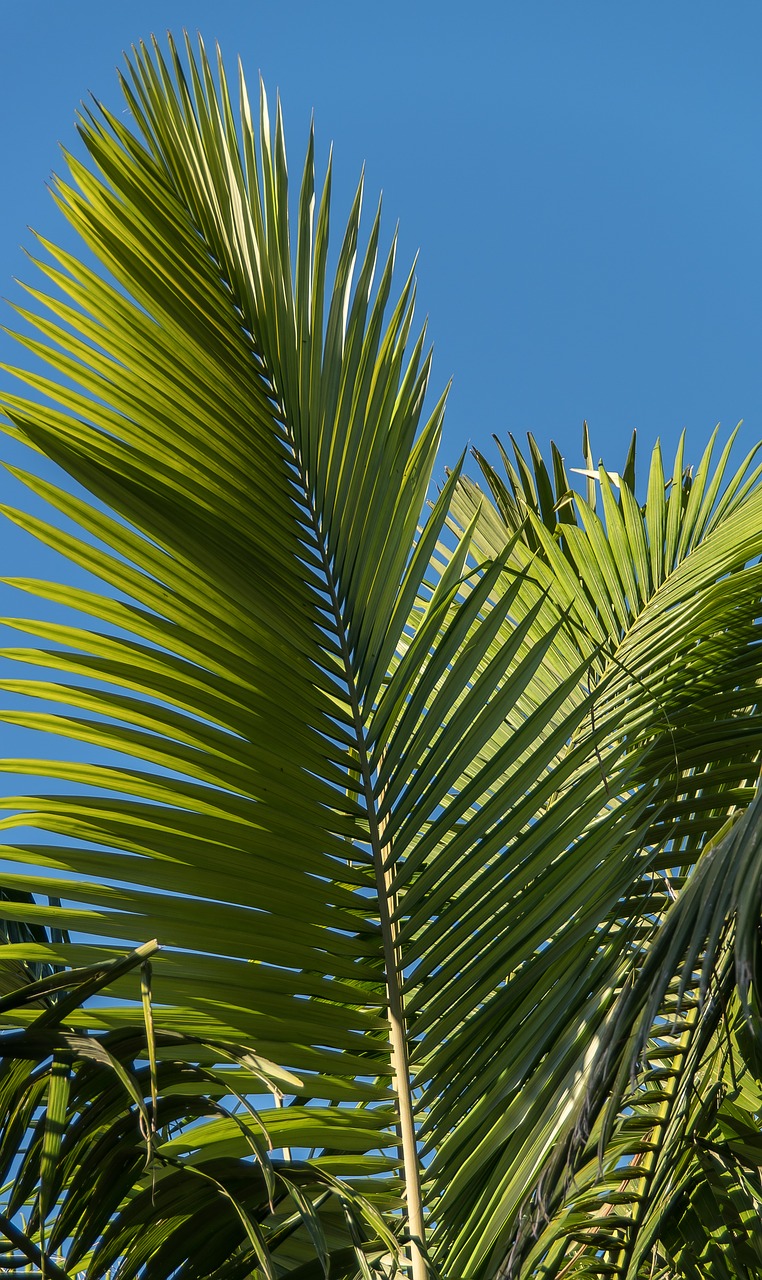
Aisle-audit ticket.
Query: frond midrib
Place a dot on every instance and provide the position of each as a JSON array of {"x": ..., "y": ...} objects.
[{"x": 399, "y": 1059}]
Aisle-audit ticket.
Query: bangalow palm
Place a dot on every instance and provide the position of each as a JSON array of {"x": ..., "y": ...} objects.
[{"x": 412, "y": 841}]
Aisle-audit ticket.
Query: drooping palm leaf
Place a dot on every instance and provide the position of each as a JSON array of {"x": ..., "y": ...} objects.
[
  {"x": 116, "y": 1162},
  {"x": 670, "y": 1183}
]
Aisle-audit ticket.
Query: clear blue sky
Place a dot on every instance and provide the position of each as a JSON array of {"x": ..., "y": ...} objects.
[{"x": 583, "y": 181}]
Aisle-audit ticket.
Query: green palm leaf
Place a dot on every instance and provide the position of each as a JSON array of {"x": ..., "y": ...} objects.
[
  {"x": 250, "y": 439},
  {"x": 674, "y": 679},
  {"x": 248, "y": 522}
]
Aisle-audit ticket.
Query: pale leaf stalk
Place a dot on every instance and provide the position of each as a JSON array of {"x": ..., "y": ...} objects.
[{"x": 400, "y": 1066}]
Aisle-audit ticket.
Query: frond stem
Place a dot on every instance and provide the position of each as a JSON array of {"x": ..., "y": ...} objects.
[{"x": 407, "y": 1149}]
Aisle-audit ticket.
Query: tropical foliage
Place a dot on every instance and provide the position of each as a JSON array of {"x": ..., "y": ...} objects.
[{"x": 442, "y": 811}]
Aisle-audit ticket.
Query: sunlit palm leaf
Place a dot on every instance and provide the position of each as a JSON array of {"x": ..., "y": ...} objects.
[
  {"x": 258, "y": 571},
  {"x": 675, "y": 682},
  {"x": 269, "y": 617}
]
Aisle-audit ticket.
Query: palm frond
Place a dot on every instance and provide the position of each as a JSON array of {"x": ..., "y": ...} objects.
[{"x": 671, "y": 691}]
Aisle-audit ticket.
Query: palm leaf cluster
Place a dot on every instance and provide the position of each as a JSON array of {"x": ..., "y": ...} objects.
[
  {"x": 434, "y": 809},
  {"x": 84, "y": 1117}
]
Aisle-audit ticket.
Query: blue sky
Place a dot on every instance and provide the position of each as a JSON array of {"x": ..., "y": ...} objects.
[{"x": 583, "y": 182}]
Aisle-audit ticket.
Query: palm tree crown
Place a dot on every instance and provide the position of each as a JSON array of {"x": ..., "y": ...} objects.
[{"x": 442, "y": 813}]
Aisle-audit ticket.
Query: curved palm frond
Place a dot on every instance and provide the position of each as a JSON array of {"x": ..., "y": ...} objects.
[
  {"x": 672, "y": 679},
  {"x": 671, "y": 1176},
  {"x": 253, "y": 439},
  {"x": 274, "y": 631}
]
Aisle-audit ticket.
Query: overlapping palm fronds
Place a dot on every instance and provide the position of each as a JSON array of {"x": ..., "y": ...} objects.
[
  {"x": 668, "y": 590},
  {"x": 412, "y": 801},
  {"x": 116, "y": 1152}
]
